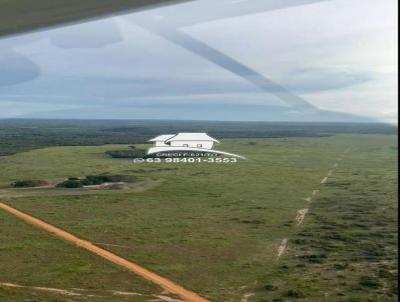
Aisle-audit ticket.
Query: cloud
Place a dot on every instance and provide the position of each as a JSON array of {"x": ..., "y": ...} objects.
[
  {"x": 198, "y": 111},
  {"x": 309, "y": 80},
  {"x": 15, "y": 68},
  {"x": 10, "y": 109}
]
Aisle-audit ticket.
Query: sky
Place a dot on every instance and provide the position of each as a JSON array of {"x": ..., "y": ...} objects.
[{"x": 204, "y": 61}]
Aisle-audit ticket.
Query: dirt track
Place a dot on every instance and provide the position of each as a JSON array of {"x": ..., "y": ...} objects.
[{"x": 133, "y": 267}]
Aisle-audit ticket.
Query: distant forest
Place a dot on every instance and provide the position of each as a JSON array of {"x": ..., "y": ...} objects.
[{"x": 18, "y": 135}]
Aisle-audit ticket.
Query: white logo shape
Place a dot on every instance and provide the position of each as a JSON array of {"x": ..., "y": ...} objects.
[{"x": 186, "y": 144}]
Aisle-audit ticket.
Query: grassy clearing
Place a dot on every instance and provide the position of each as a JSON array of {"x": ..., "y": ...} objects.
[
  {"x": 31, "y": 257},
  {"x": 214, "y": 228}
]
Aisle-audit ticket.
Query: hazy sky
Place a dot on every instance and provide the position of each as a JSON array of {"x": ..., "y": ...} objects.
[{"x": 338, "y": 55}]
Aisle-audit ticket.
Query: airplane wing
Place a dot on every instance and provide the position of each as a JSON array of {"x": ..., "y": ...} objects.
[
  {"x": 19, "y": 16},
  {"x": 201, "y": 11}
]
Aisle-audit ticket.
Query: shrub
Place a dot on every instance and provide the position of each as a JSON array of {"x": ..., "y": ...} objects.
[
  {"x": 86, "y": 182},
  {"x": 370, "y": 282},
  {"x": 74, "y": 182},
  {"x": 269, "y": 287},
  {"x": 340, "y": 266},
  {"x": 314, "y": 258},
  {"x": 27, "y": 183},
  {"x": 133, "y": 153},
  {"x": 294, "y": 293},
  {"x": 70, "y": 184},
  {"x": 97, "y": 179}
]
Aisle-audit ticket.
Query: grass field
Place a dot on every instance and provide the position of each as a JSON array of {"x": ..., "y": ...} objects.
[
  {"x": 30, "y": 257},
  {"x": 213, "y": 228}
]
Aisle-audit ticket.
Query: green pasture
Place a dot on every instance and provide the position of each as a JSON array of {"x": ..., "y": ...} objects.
[{"x": 215, "y": 228}]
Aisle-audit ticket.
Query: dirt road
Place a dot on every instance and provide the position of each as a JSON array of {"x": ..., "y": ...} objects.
[{"x": 168, "y": 285}]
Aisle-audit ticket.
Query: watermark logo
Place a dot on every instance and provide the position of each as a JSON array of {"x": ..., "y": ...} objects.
[{"x": 187, "y": 147}]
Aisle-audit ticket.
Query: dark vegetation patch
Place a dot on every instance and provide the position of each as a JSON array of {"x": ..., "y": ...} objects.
[
  {"x": 18, "y": 135},
  {"x": 294, "y": 293},
  {"x": 371, "y": 282},
  {"x": 270, "y": 287},
  {"x": 134, "y": 153},
  {"x": 28, "y": 183},
  {"x": 155, "y": 170},
  {"x": 70, "y": 183},
  {"x": 89, "y": 180}
]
